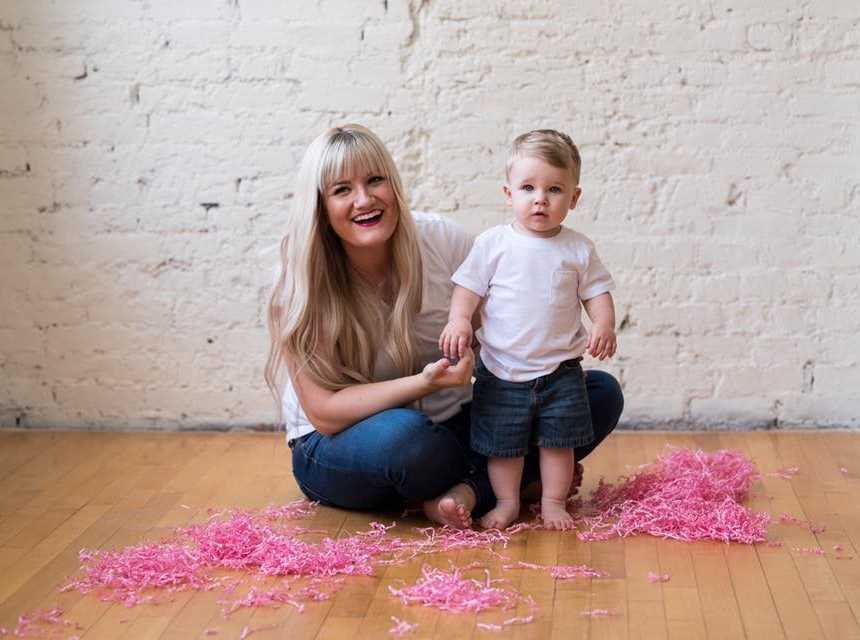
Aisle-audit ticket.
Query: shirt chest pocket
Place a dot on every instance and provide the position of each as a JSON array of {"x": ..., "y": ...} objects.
[{"x": 564, "y": 291}]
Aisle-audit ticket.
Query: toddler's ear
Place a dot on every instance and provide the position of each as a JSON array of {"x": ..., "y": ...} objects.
[
  {"x": 575, "y": 198},
  {"x": 508, "y": 196}
]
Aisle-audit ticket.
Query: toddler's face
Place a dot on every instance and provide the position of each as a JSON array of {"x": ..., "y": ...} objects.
[{"x": 540, "y": 195}]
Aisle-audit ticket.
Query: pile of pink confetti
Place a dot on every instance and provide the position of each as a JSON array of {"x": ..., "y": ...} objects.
[
  {"x": 258, "y": 544},
  {"x": 686, "y": 495},
  {"x": 450, "y": 591}
]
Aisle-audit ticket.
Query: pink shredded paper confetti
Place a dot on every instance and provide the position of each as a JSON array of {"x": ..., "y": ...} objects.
[
  {"x": 401, "y": 627},
  {"x": 686, "y": 495},
  {"x": 561, "y": 572},
  {"x": 450, "y": 591},
  {"x": 40, "y": 622},
  {"x": 786, "y": 473},
  {"x": 599, "y": 613},
  {"x": 785, "y": 518},
  {"x": 248, "y": 631},
  {"x": 813, "y": 551},
  {"x": 658, "y": 577}
]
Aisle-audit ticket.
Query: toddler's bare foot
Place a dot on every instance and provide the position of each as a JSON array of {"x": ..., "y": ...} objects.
[
  {"x": 453, "y": 508},
  {"x": 554, "y": 514},
  {"x": 502, "y": 515}
]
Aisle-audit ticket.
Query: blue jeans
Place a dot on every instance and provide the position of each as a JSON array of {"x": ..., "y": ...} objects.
[{"x": 399, "y": 455}]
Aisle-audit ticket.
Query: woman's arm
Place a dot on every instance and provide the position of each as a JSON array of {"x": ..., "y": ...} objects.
[{"x": 333, "y": 411}]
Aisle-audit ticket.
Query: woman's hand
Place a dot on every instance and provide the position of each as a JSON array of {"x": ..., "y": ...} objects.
[{"x": 442, "y": 374}]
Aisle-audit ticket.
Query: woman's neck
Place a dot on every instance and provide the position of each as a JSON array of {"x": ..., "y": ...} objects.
[{"x": 371, "y": 264}]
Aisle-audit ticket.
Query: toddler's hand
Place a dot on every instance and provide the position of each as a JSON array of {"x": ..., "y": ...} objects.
[
  {"x": 456, "y": 338},
  {"x": 601, "y": 342}
]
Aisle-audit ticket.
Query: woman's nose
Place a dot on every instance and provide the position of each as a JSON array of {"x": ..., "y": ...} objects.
[{"x": 362, "y": 197}]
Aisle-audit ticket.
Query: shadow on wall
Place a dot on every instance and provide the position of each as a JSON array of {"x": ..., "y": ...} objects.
[{"x": 132, "y": 294}]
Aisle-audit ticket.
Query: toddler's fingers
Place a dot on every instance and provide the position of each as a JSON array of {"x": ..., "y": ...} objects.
[
  {"x": 461, "y": 346},
  {"x": 452, "y": 347},
  {"x": 451, "y": 351}
]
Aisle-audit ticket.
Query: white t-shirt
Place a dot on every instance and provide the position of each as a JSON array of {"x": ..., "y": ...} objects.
[
  {"x": 444, "y": 245},
  {"x": 531, "y": 319}
]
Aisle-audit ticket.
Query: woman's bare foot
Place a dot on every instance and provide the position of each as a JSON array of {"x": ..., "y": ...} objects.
[
  {"x": 453, "y": 508},
  {"x": 555, "y": 515},
  {"x": 577, "y": 478},
  {"x": 504, "y": 513}
]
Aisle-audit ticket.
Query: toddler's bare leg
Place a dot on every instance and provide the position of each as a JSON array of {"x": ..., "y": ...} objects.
[
  {"x": 556, "y": 473},
  {"x": 505, "y": 474}
]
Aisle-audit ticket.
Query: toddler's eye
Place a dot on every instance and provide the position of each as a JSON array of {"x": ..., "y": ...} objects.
[
  {"x": 527, "y": 187},
  {"x": 555, "y": 189}
]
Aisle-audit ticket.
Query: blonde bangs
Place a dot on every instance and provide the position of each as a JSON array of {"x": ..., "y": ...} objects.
[{"x": 348, "y": 155}]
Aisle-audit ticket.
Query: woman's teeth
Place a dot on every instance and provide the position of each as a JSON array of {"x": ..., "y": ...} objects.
[{"x": 368, "y": 218}]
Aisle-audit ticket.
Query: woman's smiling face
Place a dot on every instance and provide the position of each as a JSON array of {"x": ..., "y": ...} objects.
[{"x": 362, "y": 209}]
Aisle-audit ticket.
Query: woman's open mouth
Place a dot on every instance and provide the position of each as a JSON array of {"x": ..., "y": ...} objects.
[{"x": 368, "y": 219}]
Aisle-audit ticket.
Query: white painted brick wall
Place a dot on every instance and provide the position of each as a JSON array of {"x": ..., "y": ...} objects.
[{"x": 147, "y": 150}]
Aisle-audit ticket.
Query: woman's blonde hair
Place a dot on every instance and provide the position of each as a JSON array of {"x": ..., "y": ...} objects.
[{"x": 323, "y": 318}]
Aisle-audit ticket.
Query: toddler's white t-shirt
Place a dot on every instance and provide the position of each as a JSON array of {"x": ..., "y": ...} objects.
[{"x": 531, "y": 318}]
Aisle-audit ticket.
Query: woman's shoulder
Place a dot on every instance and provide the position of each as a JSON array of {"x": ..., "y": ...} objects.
[
  {"x": 441, "y": 236},
  {"x": 434, "y": 223}
]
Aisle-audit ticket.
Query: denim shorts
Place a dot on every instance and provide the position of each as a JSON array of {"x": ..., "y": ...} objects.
[{"x": 550, "y": 411}]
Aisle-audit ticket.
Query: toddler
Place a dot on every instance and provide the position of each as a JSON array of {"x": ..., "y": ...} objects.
[{"x": 532, "y": 276}]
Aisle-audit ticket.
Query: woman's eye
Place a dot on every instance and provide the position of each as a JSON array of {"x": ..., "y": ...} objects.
[
  {"x": 375, "y": 179},
  {"x": 339, "y": 191}
]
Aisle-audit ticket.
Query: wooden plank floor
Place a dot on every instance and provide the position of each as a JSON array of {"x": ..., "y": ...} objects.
[{"x": 63, "y": 491}]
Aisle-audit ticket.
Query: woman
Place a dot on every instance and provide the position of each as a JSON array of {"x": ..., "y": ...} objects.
[{"x": 374, "y": 416}]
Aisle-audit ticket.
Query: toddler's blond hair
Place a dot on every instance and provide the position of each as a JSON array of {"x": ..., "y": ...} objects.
[{"x": 551, "y": 146}]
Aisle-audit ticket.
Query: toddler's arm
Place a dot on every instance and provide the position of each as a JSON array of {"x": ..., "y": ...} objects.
[
  {"x": 456, "y": 337},
  {"x": 601, "y": 341}
]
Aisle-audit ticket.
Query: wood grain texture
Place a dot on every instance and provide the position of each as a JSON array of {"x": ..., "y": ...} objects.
[{"x": 61, "y": 492}]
